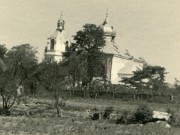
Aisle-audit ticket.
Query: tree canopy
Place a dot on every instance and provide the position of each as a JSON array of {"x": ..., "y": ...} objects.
[
  {"x": 3, "y": 51},
  {"x": 20, "y": 61},
  {"x": 52, "y": 75},
  {"x": 151, "y": 77},
  {"x": 84, "y": 56}
]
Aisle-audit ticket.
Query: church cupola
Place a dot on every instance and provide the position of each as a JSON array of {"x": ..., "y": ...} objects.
[
  {"x": 60, "y": 23},
  {"x": 108, "y": 29}
]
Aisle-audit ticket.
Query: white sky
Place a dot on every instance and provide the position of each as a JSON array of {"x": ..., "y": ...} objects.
[{"x": 147, "y": 28}]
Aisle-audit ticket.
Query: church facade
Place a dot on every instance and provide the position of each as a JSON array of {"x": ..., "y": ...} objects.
[{"x": 116, "y": 65}]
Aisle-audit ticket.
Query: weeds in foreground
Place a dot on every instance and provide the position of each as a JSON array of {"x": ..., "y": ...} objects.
[{"x": 142, "y": 115}]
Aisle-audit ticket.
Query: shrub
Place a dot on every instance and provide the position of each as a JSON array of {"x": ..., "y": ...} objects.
[
  {"x": 107, "y": 112},
  {"x": 126, "y": 118},
  {"x": 174, "y": 120},
  {"x": 5, "y": 112},
  {"x": 95, "y": 115},
  {"x": 143, "y": 114}
]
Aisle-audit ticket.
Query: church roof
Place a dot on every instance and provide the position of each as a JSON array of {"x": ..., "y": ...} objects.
[
  {"x": 110, "y": 48},
  {"x": 58, "y": 34},
  {"x": 55, "y": 34}
]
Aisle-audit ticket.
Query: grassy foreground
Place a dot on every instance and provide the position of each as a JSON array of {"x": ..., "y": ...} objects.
[
  {"x": 45, "y": 121},
  {"x": 76, "y": 126}
]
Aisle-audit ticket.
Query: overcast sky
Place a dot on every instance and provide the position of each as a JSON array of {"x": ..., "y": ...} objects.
[{"x": 147, "y": 28}]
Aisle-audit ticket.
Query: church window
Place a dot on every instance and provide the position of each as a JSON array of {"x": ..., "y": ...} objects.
[{"x": 52, "y": 44}]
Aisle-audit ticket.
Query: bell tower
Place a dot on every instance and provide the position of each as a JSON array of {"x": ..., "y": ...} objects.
[
  {"x": 57, "y": 42},
  {"x": 110, "y": 49}
]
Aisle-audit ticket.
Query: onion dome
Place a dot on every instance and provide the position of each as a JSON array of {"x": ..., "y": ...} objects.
[
  {"x": 107, "y": 28},
  {"x": 60, "y": 23}
]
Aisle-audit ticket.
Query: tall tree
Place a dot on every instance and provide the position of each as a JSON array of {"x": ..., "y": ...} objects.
[
  {"x": 76, "y": 61},
  {"x": 23, "y": 61},
  {"x": 52, "y": 75},
  {"x": 20, "y": 62},
  {"x": 87, "y": 49},
  {"x": 3, "y": 51}
]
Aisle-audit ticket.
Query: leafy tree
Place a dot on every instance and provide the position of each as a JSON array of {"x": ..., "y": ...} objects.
[
  {"x": 3, "y": 81},
  {"x": 20, "y": 62},
  {"x": 86, "y": 49},
  {"x": 177, "y": 84},
  {"x": 3, "y": 51},
  {"x": 150, "y": 77},
  {"x": 77, "y": 64},
  {"x": 24, "y": 62},
  {"x": 52, "y": 76}
]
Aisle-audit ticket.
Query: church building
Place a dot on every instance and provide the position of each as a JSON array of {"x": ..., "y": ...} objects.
[
  {"x": 57, "y": 42},
  {"x": 116, "y": 64}
]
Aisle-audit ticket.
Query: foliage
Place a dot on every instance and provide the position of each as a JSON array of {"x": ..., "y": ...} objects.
[
  {"x": 107, "y": 112},
  {"x": 174, "y": 120},
  {"x": 143, "y": 114},
  {"x": 8, "y": 91},
  {"x": 77, "y": 64},
  {"x": 150, "y": 77},
  {"x": 177, "y": 84},
  {"x": 3, "y": 50},
  {"x": 20, "y": 62},
  {"x": 84, "y": 56},
  {"x": 126, "y": 118},
  {"x": 52, "y": 75},
  {"x": 23, "y": 61}
]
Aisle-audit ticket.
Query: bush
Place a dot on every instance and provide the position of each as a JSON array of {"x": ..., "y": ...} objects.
[
  {"x": 95, "y": 115},
  {"x": 174, "y": 120},
  {"x": 143, "y": 114},
  {"x": 107, "y": 112},
  {"x": 5, "y": 112},
  {"x": 126, "y": 118}
]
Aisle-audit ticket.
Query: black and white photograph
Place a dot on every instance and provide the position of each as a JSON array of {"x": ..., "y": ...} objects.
[{"x": 89, "y": 67}]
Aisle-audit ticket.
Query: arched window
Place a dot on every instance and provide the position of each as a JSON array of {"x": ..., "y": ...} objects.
[{"x": 52, "y": 44}]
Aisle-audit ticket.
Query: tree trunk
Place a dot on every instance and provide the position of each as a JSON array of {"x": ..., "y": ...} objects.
[
  {"x": 57, "y": 106},
  {"x": 5, "y": 108}
]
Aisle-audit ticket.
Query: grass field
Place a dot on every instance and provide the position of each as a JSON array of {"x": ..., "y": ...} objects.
[{"x": 43, "y": 119}]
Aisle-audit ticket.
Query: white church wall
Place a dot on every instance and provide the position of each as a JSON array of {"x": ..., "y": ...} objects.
[
  {"x": 124, "y": 67},
  {"x": 58, "y": 58},
  {"x": 60, "y": 42}
]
